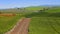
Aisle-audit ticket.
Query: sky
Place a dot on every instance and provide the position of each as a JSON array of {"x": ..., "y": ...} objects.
[{"x": 24, "y": 3}]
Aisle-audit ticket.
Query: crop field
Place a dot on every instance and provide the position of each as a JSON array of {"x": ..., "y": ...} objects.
[
  {"x": 6, "y": 22},
  {"x": 45, "y": 25},
  {"x": 47, "y": 22},
  {"x": 43, "y": 22}
]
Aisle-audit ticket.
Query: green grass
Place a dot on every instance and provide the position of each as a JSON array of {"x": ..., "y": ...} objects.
[
  {"x": 45, "y": 25},
  {"x": 6, "y": 23},
  {"x": 33, "y": 8},
  {"x": 53, "y": 10},
  {"x": 46, "y": 22}
]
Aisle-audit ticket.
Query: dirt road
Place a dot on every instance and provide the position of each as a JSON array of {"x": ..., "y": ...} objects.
[{"x": 21, "y": 27}]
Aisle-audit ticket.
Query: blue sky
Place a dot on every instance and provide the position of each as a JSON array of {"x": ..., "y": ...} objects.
[{"x": 25, "y": 3}]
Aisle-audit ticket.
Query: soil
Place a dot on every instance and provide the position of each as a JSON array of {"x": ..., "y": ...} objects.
[{"x": 21, "y": 27}]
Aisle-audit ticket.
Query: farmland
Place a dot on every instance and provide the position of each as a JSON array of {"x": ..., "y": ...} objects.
[
  {"x": 6, "y": 23},
  {"x": 9, "y": 17},
  {"x": 46, "y": 22},
  {"x": 45, "y": 25}
]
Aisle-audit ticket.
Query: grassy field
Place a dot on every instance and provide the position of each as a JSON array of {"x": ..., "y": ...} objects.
[
  {"x": 47, "y": 22},
  {"x": 6, "y": 23},
  {"x": 45, "y": 25},
  {"x": 34, "y": 8},
  {"x": 53, "y": 10}
]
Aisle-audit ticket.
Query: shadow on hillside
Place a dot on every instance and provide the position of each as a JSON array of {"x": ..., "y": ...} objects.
[{"x": 43, "y": 14}]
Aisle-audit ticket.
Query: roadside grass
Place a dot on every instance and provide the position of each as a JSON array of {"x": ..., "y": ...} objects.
[{"x": 6, "y": 23}]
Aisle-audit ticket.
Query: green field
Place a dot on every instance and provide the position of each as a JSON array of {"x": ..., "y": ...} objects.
[
  {"x": 6, "y": 23},
  {"x": 45, "y": 25},
  {"x": 47, "y": 22},
  {"x": 43, "y": 22}
]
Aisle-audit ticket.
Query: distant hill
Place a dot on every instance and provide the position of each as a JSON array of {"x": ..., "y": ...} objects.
[{"x": 30, "y": 8}]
